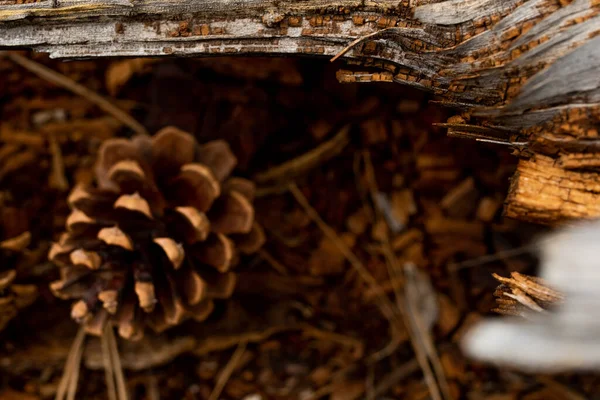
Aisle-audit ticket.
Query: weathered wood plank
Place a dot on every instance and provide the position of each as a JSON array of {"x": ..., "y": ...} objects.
[{"x": 523, "y": 70}]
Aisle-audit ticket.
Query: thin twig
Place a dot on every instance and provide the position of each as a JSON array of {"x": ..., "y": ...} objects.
[
  {"x": 69, "y": 84},
  {"x": 411, "y": 319},
  {"x": 152, "y": 387},
  {"x": 70, "y": 365},
  {"x": 424, "y": 335},
  {"x": 315, "y": 157},
  {"x": 384, "y": 303},
  {"x": 388, "y": 350},
  {"x": 376, "y": 214},
  {"x": 388, "y": 381},
  {"x": 227, "y": 371},
  {"x": 560, "y": 389},
  {"x": 109, "y": 375},
  {"x": 358, "y": 40},
  {"x": 501, "y": 255},
  {"x": 336, "y": 376},
  {"x": 372, "y": 190},
  {"x": 57, "y": 179},
  {"x": 276, "y": 265},
  {"x": 116, "y": 362},
  {"x": 415, "y": 340},
  {"x": 343, "y": 340},
  {"x": 369, "y": 382},
  {"x": 362, "y": 192},
  {"x": 72, "y": 391},
  {"x": 322, "y": 391}
]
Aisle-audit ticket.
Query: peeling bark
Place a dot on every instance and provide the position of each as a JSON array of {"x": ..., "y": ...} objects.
[{"x": 522, "y": 72}]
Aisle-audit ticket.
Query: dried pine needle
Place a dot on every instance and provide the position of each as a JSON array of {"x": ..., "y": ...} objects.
[
  {"x": 108, "y": 366},
  {"x": 69, "y": 84},
  {"x": 71, "y": 369},
  {"x": 420, "y": 337},
  {"x": 315, "y": 157},
  {"x": 117, "y": 367},
  {"x": 358, "y": 41},
  {"x": 384, "y": 303},
  {"x": 227, "y": 371}
]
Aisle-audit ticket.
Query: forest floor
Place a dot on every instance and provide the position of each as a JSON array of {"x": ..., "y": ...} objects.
[{"x": 356, "y": 184}]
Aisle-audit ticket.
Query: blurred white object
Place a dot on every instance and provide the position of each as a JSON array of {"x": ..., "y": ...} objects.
[{"x": 566, "y": 338}]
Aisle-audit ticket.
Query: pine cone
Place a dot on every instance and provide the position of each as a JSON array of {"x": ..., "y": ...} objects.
[
  {"x": 521, "y": 294},
  {"x": 15, "y": 238},
  {"x": 155, "y": 240}
]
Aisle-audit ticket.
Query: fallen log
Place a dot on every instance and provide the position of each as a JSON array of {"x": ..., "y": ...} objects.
[{"x": 520, "y": 72}]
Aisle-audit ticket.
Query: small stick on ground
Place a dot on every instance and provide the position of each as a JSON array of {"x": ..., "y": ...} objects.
[
  {"x": 315, "y": 157},
  {"x": 488, "y": 258},
  {"x": 384, "y": 303},
  {"x": 69, "y": 84},
  {"x": 276, "y": 265},
  {"x": 227, "y": 371},
  {"x": 420, "y": 338},
  {"x": 316, "y": 333},
  {"x": 388, "y": 381},
  {"x": 423, "y": 333},
  {"x": 415, "y": 340},
  {"x": 152, "y": 387},
  {"x": 388, "y": 350},
  {"x": 75, "y": 373},
  {"x": 116, "y": 363},
  {"x": 560, "y": 389},
  {"x": 57, "y": 179},
  {"x": 71, "y": 366},
  {"x": 109, "y": 374}
]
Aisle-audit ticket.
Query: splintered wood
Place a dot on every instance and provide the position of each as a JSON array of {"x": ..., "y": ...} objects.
[
  {"x": 542, "y": 191},
  {"x": 520, "y": 294}
]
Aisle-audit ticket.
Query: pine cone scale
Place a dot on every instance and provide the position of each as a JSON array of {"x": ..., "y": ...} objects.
[
  {"x": 217, "y": 156},
  {"x": 171, "y": 149},
  {"x": 16, "y": 238},
  {"x": 216, "y": 251},
  {"x": 191, "y": 286},
  {"x": 190, "y": 225},
  {"x": 231, "y": 213},
  {"x": 6, "y": 278},
  {"x": 194, "y": 186},
  {"x": 8, "y": 311}
]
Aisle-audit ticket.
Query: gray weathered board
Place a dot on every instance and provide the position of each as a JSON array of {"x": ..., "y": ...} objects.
[{"x": 474, "y": 53}]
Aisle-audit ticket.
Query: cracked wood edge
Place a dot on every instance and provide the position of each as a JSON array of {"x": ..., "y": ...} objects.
[
  {"x": 476, "y": 52},
  {"x": 473, "y": 52},
  {"x": 543, "y": 192}
]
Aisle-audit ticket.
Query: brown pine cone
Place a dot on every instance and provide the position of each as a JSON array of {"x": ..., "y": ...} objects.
[
  {"x": 14, "y": 238},
  {"x": 155, "y": 240}
]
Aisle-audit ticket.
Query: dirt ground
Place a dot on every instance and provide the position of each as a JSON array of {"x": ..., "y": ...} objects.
[{"x": 355, "y": 184}]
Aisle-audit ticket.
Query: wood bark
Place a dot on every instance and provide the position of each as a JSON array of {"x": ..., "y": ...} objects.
[
  {"x": 543, "y": 191},
  {"x": 520, "y": 72}
]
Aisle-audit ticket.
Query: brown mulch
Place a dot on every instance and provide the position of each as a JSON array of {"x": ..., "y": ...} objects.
[{"x": 368, "y": 209}]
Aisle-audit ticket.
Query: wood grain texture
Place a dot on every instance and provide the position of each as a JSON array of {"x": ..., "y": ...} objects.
[
  {"x": 544, "y": 192},
  {"x": 472, "y": 52}
]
